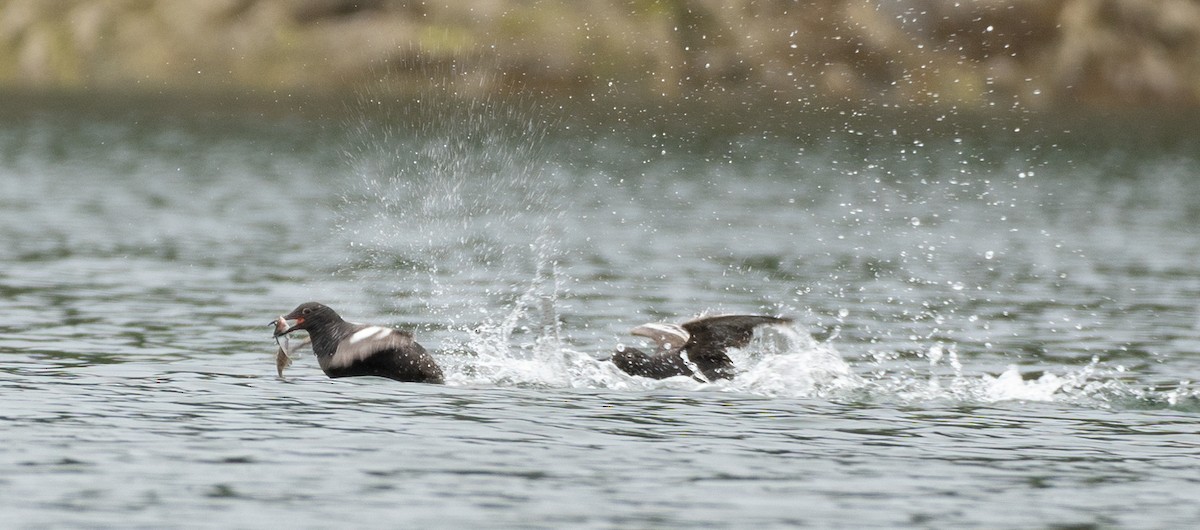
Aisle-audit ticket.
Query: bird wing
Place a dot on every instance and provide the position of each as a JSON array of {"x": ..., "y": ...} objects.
[
  {"x": 666, "y": 337},
  {"x": 718, "y": 333},
  {"x": 367, "y": 341}
]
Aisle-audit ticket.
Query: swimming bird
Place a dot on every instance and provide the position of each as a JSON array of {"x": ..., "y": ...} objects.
[
  {"x": 695, "y": 348},
  {"x": 347, "y": 349}
]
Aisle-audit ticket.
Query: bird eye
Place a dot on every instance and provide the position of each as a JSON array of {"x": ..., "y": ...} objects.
[{"x": 306, "y": 311}]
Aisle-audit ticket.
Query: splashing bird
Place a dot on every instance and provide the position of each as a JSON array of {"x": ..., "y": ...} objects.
[
  {"x": 347, "y": 349},
  {"x": 695, "y": 348}
]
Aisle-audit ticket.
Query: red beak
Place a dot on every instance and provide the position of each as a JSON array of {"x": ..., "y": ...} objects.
[{"x": 282, "y": 328}]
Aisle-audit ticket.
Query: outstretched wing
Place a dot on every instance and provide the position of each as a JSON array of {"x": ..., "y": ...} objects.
[
  {"x": 666, "y": 337},
  {"x": 719, "y": 333},
  {"x": 367, "y": 341}
]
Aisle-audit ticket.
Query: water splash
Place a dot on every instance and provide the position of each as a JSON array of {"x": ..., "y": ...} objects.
[
  {"x": 1096, "y": 384},
  {"x": 788, "y": 361},
  {"x": 779, "y": 361},
  {"x": 452, "y": 206}
]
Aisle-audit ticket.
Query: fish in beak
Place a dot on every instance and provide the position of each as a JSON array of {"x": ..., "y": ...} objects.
[{"x": 283, "y": 357}]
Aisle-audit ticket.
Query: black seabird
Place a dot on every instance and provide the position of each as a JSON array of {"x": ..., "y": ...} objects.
[
  {"x": 695, "y": 346},
  {"x": 347, "y": 349}
]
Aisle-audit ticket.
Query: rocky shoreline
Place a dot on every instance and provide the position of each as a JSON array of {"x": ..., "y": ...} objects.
[{"x": 1028, "y": 53}]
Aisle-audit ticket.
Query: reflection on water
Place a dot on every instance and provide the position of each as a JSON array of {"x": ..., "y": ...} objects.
[{"x": 987, "y": 318}]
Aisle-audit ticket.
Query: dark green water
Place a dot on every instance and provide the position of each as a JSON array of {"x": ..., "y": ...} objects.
[{"x": 997, "y": 321}]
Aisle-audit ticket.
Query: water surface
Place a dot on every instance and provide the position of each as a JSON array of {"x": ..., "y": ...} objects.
[{"x": 996, "y": 318}]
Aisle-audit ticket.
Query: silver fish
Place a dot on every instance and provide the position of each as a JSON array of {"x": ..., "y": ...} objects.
[
  {"x": 283, "y": 356},
  {"x": 282, "y": 361}
]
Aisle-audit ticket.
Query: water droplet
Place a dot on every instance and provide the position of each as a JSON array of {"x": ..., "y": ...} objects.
[
  {"x": 934, "y": 355},
  {"x": 989, "y": 255},
  {"x": 915, "y": 221}
]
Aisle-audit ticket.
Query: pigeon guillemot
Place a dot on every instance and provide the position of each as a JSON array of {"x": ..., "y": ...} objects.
[
  {"x": 346, "y": 349},
  {"x": 695, "y": 346}
]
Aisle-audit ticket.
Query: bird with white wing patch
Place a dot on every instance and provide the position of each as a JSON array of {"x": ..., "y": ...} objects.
[
  {"x": 347, "y": 349},
  {"x": 695, "y": 348}
]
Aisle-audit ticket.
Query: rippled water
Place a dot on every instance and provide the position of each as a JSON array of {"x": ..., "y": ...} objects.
[{"x": 996, "y": 319}]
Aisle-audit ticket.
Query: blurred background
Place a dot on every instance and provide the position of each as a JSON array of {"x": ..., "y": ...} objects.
[{"x": 959, "y": 53}]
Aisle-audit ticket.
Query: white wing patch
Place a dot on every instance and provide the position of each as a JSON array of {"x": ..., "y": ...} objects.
[
  {"x": 369, "y": 333},
  {"x": 668, "y": 337},
  {"x": 366, "y": 342}
]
